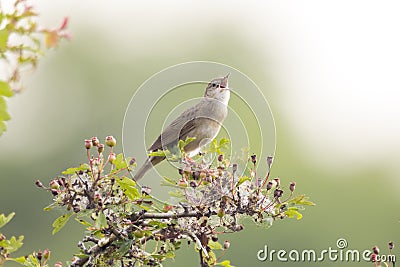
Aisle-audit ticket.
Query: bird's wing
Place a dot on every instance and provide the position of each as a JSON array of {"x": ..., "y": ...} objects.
[{"x": 179, "y": 129}]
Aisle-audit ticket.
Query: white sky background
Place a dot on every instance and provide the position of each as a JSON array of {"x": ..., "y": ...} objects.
[{"x": 338, "y": 61}]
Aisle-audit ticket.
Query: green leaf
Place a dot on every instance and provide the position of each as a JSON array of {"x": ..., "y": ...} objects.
[
  {"x": 212, "y": 258},
  {"x": 242, "y": 180},
  {"x": 129, "y": 187},
  {"x": 82, "y": 167},
  {"x": 123, "y": 247},
  {"x": 12, "y": 244},
  {"x": 20, "y": 260},
  {"x": 215, "y": 245},
  {"x": 169, "y": 181},
  {"x": 4, "y": 220},
  {"x": 32, "y": 261},
  {"x": 302, "y": 200},
  {"x": 51, "y": 206},
  {"x": 101, "y": 221},
  {"x": 293, "y": 212},
  {"x": 120, "y": 162},
  {"x": 176, "y": 193},
  {"x": 158, "y": 224},
  {"x": 225, "y": 263},
  {"x": 60, "y": 222},
  {"x": 4, "y": 33},
  {"x": 3, "y": 127},
  {"x": 182, "y": 144},
  {"x": 4, "y": 116},
  {"x": 168, "y": 255},
  {"x": 83, "y": 222},
  {"x": 158, "y": 153},
  {"x": 215, "y": 146},
  {"x": 223, "y": 143},
  {"x": 5, "y": 89}
]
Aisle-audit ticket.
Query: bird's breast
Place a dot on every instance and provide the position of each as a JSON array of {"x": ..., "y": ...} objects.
[{"x": 213, "y": 110}]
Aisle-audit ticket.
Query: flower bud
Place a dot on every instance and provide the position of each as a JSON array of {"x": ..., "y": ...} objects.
[
  {"x": 110, "y": 141},
  {"x": 168, "y": 207},
  {"x": 254, "y": 159},
  {"x": 269, "y": 185},
  {"x": 277, "y": 181},
  {"x": 180, "y": 171},
  {"x": 54, "y": 184},
  {"x": 278, "y": 193},
  {"x": 100, "y": 148},
  {"x": 183, "y": 183},
  {"x": 38, "y": 184},
  {"x": 227, "y": 244},
  {"x": 196, "y": 175},
  {"x": 132, "y": 161},
  {"x": 88, "y": 144},
  {"x": 391, "y": 245},
  {"x": 95, "y": 141},
  {"x": 96, "y": 197},
  {"x": 269, "y": 161},
  {"x": 193, "y": 184},
  {"x": 146, "y": 190},
  {"x": 292, "y": 186},
  {"x": 221, "y": 213},
  {"x": 39, "y": 255},
  {"x": 234, "y": 167},
  {"x": 187, "y": 170},
  {"x": 214, "y": 238},
  {"x": 373, "y": 257},
  {"x": 58, "y": 264},
  {"x": 46, "y": 254},
  {"x": 138, "y": 233},
  {"x": 375, "y": 250},
  {"x": 220, "y": 158},
  {"x": 112, "y": 157}
]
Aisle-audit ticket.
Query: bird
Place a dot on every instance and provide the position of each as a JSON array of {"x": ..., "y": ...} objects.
[{"x": 202, "y": 122}]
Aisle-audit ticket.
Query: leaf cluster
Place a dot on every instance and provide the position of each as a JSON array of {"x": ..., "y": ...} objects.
[
  {"x": 21, "y": 44},
  {"x": 11, "y": 245},
  {"x": 127, "y": 226}
]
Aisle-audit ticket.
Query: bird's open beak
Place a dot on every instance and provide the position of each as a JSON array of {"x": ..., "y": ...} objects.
[{"x": 224, "y": 83}]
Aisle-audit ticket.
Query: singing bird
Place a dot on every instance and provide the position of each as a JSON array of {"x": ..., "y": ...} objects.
[{"x": 202, "y": 122}]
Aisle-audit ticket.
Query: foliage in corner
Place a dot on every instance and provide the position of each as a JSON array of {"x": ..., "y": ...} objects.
[
  {"x": 127, "y": 226},
  {"x": 11, "y": 245},
  {"x": 21, "y": 44}
]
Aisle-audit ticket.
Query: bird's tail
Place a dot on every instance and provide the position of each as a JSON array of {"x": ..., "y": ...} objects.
[{"x": 150, "y": 162}]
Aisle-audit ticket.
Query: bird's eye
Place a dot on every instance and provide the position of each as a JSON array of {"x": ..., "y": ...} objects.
[{"x": 214, "y": 85}]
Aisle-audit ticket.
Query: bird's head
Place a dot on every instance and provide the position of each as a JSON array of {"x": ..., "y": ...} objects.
[{"x": 218, "y": 89}]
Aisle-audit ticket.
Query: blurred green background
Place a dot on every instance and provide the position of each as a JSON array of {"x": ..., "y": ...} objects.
[{"x": 332, "y": 86}]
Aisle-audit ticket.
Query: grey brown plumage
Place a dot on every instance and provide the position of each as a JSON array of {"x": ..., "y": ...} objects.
[{"x": 202, "y": 121}]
